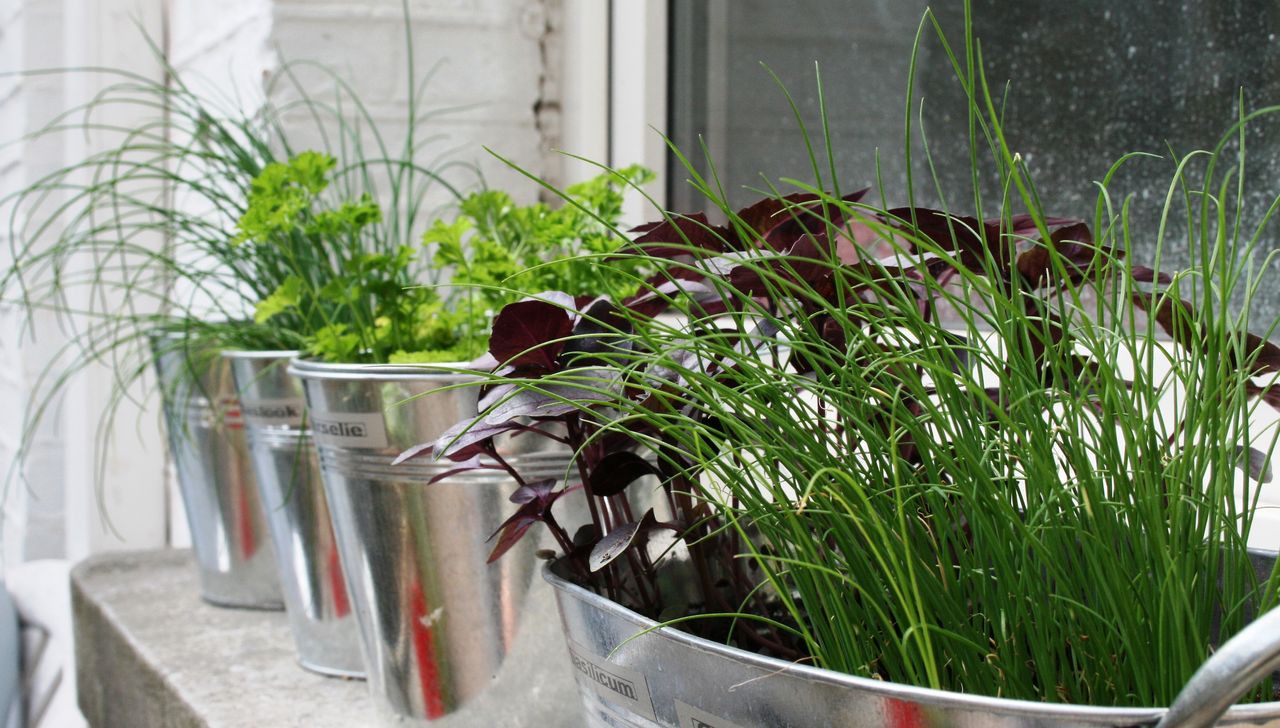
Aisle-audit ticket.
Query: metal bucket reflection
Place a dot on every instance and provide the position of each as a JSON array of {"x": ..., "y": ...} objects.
[
  {"x": 284, "y": 460},
  {"x": 219, "y": 492},
  {"x": 436, "y": 620},
  {"x": 633, "y": 673}
]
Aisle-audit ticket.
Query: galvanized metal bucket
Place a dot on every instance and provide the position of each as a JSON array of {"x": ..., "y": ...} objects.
[
  {"x": 436, "y": 620},
  {"x": 315, "y": 592},
  {"x": 665, "y": 678},
  {"x": 219, "y": 492}
]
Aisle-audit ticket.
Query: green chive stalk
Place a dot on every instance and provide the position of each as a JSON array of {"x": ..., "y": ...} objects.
[{"x": 960, "y": 467}]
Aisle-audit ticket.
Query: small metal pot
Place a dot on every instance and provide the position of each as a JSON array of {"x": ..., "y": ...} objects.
[
  {"x": 219, "y": 492},
  {"x": 315, "y": 593},
  {"x": 664, "y": 678},
  {"x": 436, "y": 620}
]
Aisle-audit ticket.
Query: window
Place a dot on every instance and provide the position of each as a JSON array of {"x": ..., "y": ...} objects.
[{"x": 1091, "y": 80}]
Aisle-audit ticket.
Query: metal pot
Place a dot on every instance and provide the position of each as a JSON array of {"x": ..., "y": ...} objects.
[
  {"x": 436, "y": 620},
  {"x": 315, "y": 592},
  {"x": 219, "y": 492},
  {"x": 666, "y": 678}
]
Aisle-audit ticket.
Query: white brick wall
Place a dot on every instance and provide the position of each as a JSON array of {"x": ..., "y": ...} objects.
[{"x": 488, "y": 61}]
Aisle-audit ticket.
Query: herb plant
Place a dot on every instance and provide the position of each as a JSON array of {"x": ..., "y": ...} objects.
[
  {"x": 158, "y": 233},
  {"x": 496, "y": 251},
  {"x": 1031, "y": 480},
  {"x": 348, "y": 303},
  {"x": 987, "y": 454},
  {"x": 497, "y": 247}
]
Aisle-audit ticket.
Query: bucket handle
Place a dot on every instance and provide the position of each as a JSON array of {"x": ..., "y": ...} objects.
[{"x": 1244, "y": 661}]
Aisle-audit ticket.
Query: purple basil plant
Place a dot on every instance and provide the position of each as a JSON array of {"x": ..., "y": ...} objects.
[{"x": 568, "y": 368}]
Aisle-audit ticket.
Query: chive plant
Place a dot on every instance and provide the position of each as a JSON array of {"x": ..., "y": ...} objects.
[
  {"x": 985, "y": 453},
  {"x": 1031, "y": 496},
  {"x": 203, "y": 218},
  {"x": 190, "y": 178}
]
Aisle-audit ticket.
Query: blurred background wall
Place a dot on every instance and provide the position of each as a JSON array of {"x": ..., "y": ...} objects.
[{"x": 497, "y": 63}]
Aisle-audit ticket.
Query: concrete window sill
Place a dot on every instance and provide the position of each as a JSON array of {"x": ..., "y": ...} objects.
[{"x": 150, "y": 653}]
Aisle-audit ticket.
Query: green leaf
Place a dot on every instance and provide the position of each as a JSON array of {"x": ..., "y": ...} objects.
[
  {"x": 310, "y": 169},
  {"x": 286, "y": 296},
  {"x": 448, "y": 237},
  {"x": 335, "y": 343},
  {"x": 282, "y": 195},
  {"x": 428, "y": 357},
  {"x": 349, "y": 218}
]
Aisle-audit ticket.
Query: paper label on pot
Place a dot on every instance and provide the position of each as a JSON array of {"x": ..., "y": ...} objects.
[
  {"x": 273, "y": 412},
  {"x": 613, "y": 683},
  {"x": 691, "y": 717},
  {"x": 350, "y": 429}
]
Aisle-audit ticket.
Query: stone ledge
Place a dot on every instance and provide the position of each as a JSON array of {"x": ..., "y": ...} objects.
[{"x": 151, "y": 654}]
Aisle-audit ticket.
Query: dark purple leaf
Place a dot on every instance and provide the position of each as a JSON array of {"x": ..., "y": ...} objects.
[
  {"x": 413, "y": 452},
  {"x": 512, "y": 530},
  {"x": 800, "y": 233},
  {"x": 601, "y": 328},
  {"x": 616, "y": 471},
  {"x": 677, "y": 234},
  {"x": 586, "y": 535},
  {"x": 616, "y": 542},
  {"x": 471, "y": 463},
  {"x": 782, "y": 275},
  {"x": 811, "y": 354},
  {"x": 1143, "y": 274},
  {"x": 530, "y": 492},
  {"x": 782, "y": 221},
  {"x": 1264, "y": 355},
  {"x": 964, "y": 236},
  {"x": 1073, "y": 245},
  {"x": 767, "y": 213},
  {"x": 1176, "y": 317},
  {"x": 810, "y": 260},
  {"x": 970, "y": 239},
  {"x": 549, "y": 400},
  {"x": 535, "y": 501},
  {"x": 467, "y": 439},
  {"x": 465, "y": 466},
  {"x": 778, "y": 222},
  {"x": 1023, "y": 225},
  {"x": 530, "y": 334},
  {"x": 1270, "y": 395},
  {"x": 1257, "y": 464}
]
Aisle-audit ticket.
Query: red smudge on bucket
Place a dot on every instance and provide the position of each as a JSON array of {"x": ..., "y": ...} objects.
[
  {"x": 244, "y": 521},
  {"x": 337, "y": 585},
  {"x": 424, "y": 653},
  {"x": 902, "y": 714}
]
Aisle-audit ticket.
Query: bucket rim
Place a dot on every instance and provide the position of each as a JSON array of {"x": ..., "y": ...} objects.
[
  {"x": 259, "y": 354},
  {"x": 900, "y": 691},
  {"x": 310, "y": 368}
]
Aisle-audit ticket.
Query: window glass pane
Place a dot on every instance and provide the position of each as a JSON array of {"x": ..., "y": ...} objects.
[{"x": 1091, "y": 80}]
